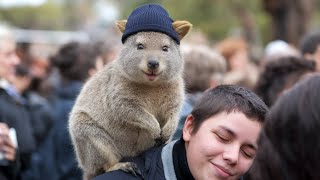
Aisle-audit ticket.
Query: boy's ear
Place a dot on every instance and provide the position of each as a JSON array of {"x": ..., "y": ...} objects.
[
  {"x": 182, "y": 28},
  {"x": 121, "y": 25},
  {"x": 187, "y": 128}
]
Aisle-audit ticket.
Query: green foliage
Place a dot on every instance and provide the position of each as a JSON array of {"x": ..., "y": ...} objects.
[
  {"x": 216, "y": 18},
  {"x": 46, "y": 16},
  {"x": 68, "y": 15}
]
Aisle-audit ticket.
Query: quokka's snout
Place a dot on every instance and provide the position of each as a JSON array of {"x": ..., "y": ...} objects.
[{"x": 153, "y": 64}]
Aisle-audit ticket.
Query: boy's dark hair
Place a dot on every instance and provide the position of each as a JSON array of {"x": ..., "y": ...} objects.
[
  {"x": 291, "y": 135},
  {"x": 228, "y": 98},
  {"x": 310, "y": 43},
  {"x": 279, "y": 75}
]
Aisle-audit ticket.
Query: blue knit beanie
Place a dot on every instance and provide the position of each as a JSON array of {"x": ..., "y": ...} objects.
[{"x": 150, "y": 17}]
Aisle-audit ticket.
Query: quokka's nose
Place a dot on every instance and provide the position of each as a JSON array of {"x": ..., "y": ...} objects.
[{"x": 152, "y": 64}]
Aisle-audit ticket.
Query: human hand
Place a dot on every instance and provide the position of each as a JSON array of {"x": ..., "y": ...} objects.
[{"x": 6, "y": 145}]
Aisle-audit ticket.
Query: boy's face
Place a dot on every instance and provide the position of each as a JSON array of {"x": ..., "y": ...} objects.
[{"x": 224, "y": 146}]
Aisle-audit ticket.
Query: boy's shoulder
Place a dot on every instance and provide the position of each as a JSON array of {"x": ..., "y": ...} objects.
[{"x": 149, "y": 163}]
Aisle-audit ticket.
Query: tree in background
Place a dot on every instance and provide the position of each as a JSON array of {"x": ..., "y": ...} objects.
[
  {"x": 271, "y": 19},
  {"x": 253, "y": 19},
  {"x": 216, "y": 18},
  {"x": 52, "y": 15},
  {"x": 290, "y": 18},
  {"x": 46, "y": 16}
]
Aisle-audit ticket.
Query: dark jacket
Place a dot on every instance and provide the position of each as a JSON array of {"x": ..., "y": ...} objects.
[
  {"x": 160, "y": 163},
  {"x": 41, "y": 116},
  {"x": 66, "y": 163},
  {"x": 14, "y": 113},
  {"x": 149, "y": 164},
  {"x": 55, "y": 159}
]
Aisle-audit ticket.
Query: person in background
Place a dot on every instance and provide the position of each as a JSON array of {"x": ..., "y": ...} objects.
[
  {"x": 281, "y": 74},
  {"x": 107, "y": 52},
  {"x": 290, "y": 136},
  {"x": 240, "y": 70},
  {"x": 32, "y": 57},
  {"x": 219, "y": 140},
  {"x": 277, "y": 49},
  {"x": 13, "y": 114},
  {"x": 56, "y": 160},
  {"x": 38, "y": 107},
  {"x": 310, "y": 48}
]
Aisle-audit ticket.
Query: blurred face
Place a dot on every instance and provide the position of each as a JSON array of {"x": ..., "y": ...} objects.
[
  {"x": 8, "y": 59},
  {"x": 98, "y": 66},
  {"x": 21, "y": 83},
  {"x": 239, "y": 60},
  {"x": 316, "y": 57},
  {"x": 224, "y": 146}
]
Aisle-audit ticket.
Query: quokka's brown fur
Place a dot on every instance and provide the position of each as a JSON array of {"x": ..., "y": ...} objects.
[{"x": 132, "y": 102}]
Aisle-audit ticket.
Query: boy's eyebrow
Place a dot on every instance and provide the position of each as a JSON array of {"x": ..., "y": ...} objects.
[
  {"x": 234, "y": 135},
  {"x": 228, "y": 130}
]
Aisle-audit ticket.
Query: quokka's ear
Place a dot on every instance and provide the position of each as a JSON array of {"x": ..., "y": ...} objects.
[
  {"x": 182, "y": 28},
  {"x": 121, "y": 25}
]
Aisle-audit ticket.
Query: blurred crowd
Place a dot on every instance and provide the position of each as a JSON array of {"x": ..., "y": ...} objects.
[{"x": 37, "y": 94}]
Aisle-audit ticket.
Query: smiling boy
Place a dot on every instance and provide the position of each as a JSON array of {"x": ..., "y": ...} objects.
[{"x": 219, "y": 140}]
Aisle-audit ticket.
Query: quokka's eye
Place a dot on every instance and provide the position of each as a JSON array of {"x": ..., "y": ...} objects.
[
  {"x": 140, "y": 46},
  {"x": 165, "y": 48}
]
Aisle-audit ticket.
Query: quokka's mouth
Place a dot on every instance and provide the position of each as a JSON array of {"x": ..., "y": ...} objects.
[{"x": 152, "y": 75}]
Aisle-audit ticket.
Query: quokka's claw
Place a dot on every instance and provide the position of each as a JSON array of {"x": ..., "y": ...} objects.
[{"x": 128, "y": 167}]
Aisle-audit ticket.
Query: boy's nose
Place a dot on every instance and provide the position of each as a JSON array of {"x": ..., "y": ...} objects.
[{"x": 231, "y": 156}]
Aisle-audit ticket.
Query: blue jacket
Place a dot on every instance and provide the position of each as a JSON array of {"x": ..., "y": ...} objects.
[
  {"x": 41, "y": 116},
  {"x": 55, "y": 159}
]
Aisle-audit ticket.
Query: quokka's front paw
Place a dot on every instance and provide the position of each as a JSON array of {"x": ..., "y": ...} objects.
[
  {"x": 128, "y": 167},
  {"x": 159, "y": 141}
]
